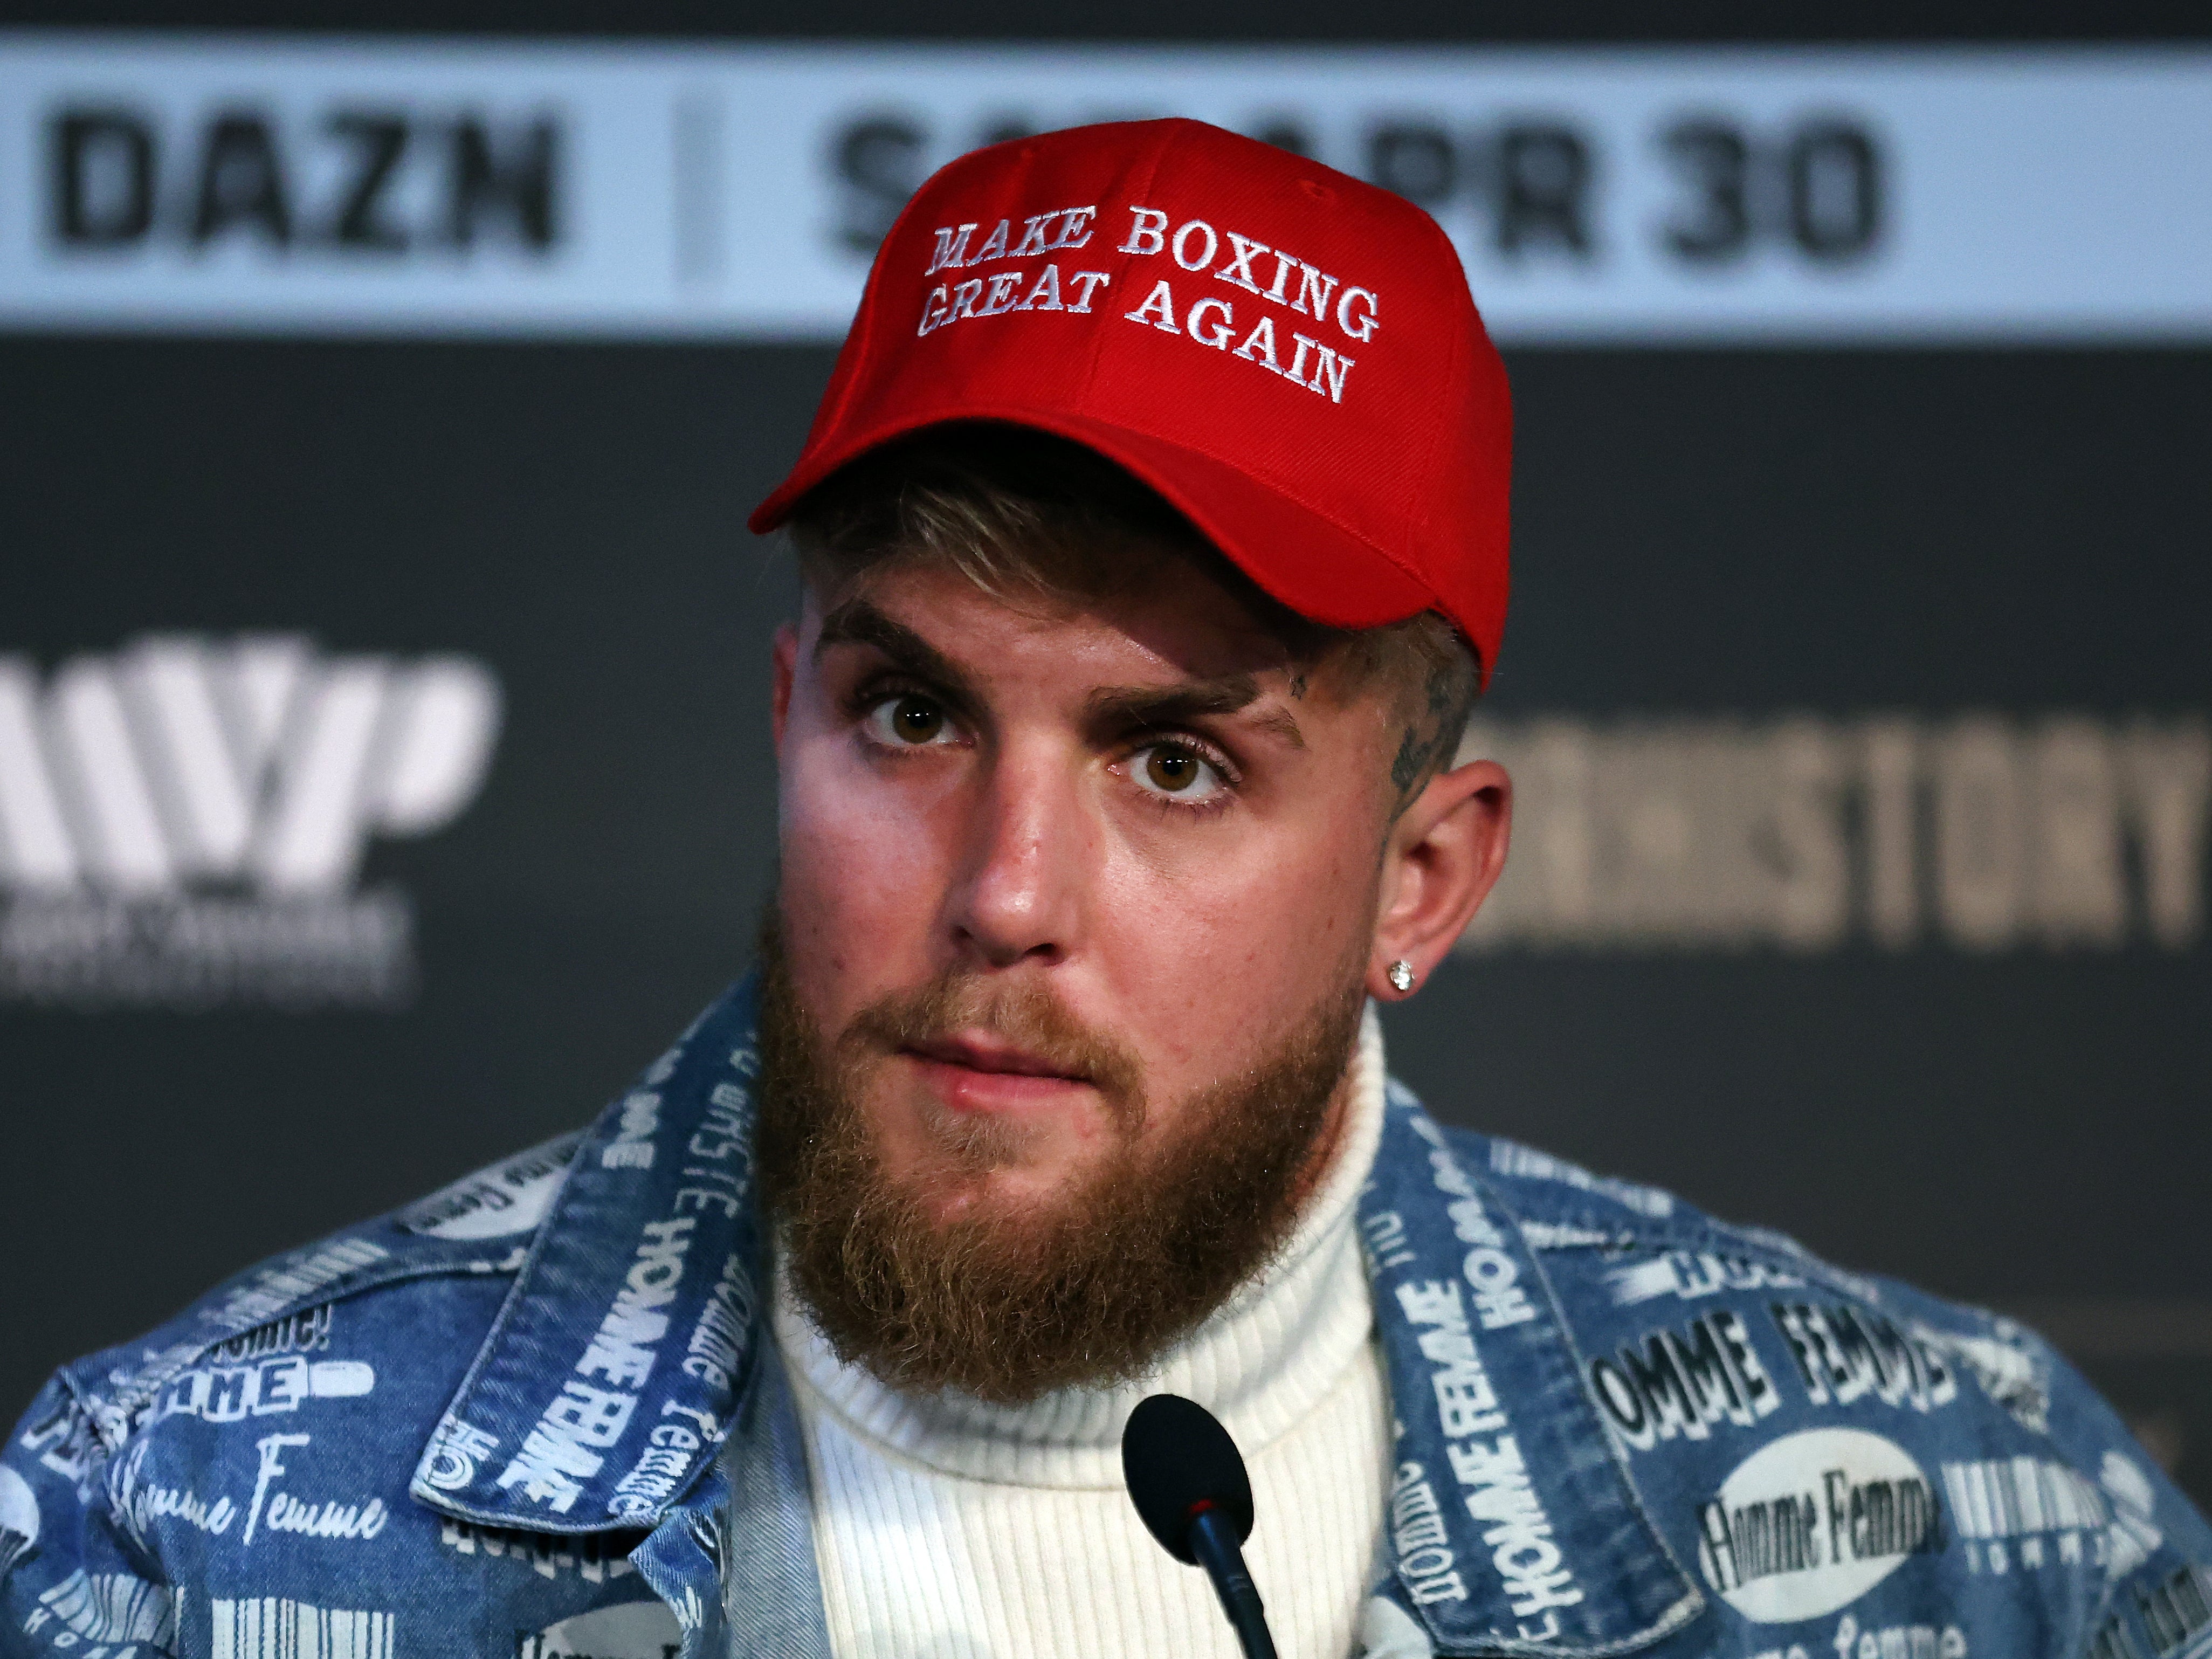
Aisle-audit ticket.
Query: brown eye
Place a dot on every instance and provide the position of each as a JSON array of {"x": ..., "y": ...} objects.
[
  {"x": 1176, "y": 772},
  {"x": 917, "y": 720},
  {"x": 1172, "y": 770},
  {"x": 911, "y": 719}
]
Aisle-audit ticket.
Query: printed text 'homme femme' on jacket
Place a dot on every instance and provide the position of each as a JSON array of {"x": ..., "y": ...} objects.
[{"x": 533, "y": 1416}]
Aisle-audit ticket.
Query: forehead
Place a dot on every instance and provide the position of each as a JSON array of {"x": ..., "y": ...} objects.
[{"x": 1166, "y": 619}]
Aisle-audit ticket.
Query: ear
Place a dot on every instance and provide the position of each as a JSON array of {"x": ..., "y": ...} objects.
[
  {"x": 1440, "y": 863},
  {"x": 784, "y": 660}
]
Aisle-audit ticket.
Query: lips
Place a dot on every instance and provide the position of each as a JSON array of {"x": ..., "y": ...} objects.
[
  {"x": 977, "y": 1073},
  {"x": 980, "y": 1052}
]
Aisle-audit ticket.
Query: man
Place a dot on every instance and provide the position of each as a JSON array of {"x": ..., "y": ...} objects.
[{"x": 1150, "y": 570}]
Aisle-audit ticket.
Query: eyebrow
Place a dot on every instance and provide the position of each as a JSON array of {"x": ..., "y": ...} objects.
[
  {"x": 1178, "y": 705},
  {"x": 857, "y": 622}
]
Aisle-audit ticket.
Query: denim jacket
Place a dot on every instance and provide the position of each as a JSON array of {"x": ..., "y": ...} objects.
[{"x": 538, "y": 1415}]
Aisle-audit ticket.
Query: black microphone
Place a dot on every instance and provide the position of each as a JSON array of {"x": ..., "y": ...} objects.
[{"x": 1188, "y": 1482}]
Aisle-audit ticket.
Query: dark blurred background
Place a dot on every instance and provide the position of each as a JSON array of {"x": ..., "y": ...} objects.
[{"x": 383, "y": 765}]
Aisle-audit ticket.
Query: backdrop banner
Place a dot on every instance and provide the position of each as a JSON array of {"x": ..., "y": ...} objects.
[
  {"x": 736, "y": 192},
  {"x": 384, "y": 767}
]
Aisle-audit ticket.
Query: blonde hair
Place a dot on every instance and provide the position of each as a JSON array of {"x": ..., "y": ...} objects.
[{"x": 1025, "y": 515}]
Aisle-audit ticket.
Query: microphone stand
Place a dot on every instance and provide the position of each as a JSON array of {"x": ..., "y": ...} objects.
[{"x": 1212, "y": 1539}]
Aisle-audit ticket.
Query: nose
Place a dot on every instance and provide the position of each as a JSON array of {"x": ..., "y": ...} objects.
[{"x": 1018, "y": 896}]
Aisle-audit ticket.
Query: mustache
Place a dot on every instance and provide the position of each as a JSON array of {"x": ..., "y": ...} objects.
[{"x": 1025, "y": 1014}]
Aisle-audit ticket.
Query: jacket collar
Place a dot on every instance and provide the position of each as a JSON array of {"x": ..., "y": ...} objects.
[
  {"x": 627, "y": 1346},
  {"x": 1513, "y": 1526},
  {"x": 608, "y": 1380}
]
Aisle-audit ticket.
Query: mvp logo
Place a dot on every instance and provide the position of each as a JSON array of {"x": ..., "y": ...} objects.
[{"x": 181, "y": 823}]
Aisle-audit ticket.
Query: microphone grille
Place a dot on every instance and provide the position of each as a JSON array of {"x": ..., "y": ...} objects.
[{"x": 1176, "y": 1457}]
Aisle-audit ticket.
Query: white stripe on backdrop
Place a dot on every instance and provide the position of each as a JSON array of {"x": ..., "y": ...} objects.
[{"x": 337, "y": 186}]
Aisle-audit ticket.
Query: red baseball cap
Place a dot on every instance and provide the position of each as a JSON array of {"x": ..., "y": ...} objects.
[{"x": 1286, "y": 354}]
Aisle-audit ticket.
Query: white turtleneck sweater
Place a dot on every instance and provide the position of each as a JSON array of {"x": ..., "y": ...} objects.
[{"x": 948, "y": 1528}]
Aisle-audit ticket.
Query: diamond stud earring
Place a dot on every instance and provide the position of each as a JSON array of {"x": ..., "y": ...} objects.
[{"x": 1401, "y": 975}]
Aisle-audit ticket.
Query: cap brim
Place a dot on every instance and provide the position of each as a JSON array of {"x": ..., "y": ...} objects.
[{"x": 1309, "y": 562}]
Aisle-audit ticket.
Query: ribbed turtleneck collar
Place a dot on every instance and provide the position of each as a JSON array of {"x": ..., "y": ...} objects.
[{"x": 1261, "y": 1362}]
